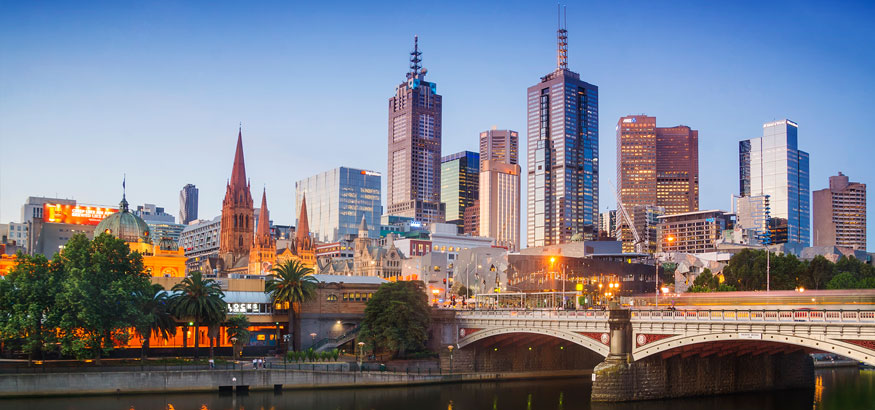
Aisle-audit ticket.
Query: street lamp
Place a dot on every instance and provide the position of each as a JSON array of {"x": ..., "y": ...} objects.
[
  {"x": 359, "y": 355},
  {"x": 668, "y": 239},
  {"x": 451, "y": 358}
]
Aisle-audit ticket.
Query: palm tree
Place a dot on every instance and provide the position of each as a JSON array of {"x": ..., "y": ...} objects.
[
  {"x": 200, "y": 299},
  {"x": 237, "y": 329},
  {"x": 291, "y": 285},
  {"x": 156, "y": 319}
]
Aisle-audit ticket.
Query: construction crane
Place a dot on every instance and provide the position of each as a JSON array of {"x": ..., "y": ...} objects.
[{"x": 639, "y": 243}]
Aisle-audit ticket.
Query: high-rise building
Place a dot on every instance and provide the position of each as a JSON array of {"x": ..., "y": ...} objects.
[
  {"x": 608, "y": 223},
  {"x": 774, "y": 165},
  {"x": 238, "y": 226},
  {"x": 188, "y": 204},
  {"x": 414, "y": 186},
  {"x": 460, "y": 177},
  {"x": 753, "y": 212},
  {"x": 657, "y": 166},
  {"x": 499, "y": 145},
  {"x": 562, "y": 157},
  {"x": 693, "y": 232},
  {"x": 500, "y": 203},
  {"x": 336, "y": 201},
  {"x": 840, "y": 214}
]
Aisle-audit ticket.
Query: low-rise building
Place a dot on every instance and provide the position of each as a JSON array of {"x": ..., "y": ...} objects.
[{"x": 693, "y": 232}]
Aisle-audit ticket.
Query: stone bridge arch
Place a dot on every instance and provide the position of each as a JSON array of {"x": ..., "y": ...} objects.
[
  {"x": 587, "y": 340},
  {"x": 860, "y": 350}
]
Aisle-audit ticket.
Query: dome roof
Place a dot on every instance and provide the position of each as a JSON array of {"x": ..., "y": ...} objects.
[{"x": 124, "y": 225}]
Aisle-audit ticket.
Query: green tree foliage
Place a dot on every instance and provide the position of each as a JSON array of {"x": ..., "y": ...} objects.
[
  {"x": 818, "y": 273},
  {"x": 852, "y": 274},
  {"x": 156, "y": 318},
  {"x": 199, "y": 299},
  {"x": 397, "y": 318},
  {"x": 747, "y": 271},
  {"x": 667, "y": 274},
  {"x": 708, "y": 282},
  {"x": 101, "y": 296},
  {"x": 28, "y": 313},
  {"x": 292, "y": 285},
  {"x": 238, "y": 328}
]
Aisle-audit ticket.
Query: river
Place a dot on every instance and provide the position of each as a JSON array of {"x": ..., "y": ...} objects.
[{"x": 835, "y": 389}]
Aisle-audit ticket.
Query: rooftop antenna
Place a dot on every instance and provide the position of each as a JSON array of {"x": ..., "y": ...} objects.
[
  {"x": 415, "y": 60},
  {"x": 562, "y": 40}
]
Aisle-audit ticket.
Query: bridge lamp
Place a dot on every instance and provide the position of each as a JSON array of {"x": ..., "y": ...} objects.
[
  {"x": 800, "y": 289},
  {"x": 664, "y": 290}
]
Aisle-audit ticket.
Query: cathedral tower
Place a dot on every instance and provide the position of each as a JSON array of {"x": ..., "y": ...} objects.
[{"x": 238, "y": 223}]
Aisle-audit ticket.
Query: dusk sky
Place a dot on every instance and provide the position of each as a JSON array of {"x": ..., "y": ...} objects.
[{"x": 90, "y": 91}]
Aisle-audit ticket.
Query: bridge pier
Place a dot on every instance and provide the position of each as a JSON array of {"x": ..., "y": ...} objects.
[{"x": 619, "y": 378}]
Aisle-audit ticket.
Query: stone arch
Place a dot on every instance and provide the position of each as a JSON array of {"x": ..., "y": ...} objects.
[
  {"x": 576, "y": 338},
  {"x": 826, "y": 345}
]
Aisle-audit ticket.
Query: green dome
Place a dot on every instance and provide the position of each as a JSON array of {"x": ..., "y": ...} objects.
[{"x": 124, "y": 225}]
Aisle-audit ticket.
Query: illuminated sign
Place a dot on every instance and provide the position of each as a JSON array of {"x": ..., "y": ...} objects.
[
  {"x": 629, "y": 120},
  {"x": 75, "y": 214},
  {"x": 371, "y": 173},
  {"x": 246, "y": 308}
]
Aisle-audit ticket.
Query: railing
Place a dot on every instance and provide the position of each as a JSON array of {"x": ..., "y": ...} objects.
[
  {"x": 757, "y": 315},
  {"x": 534, "y": 314}
]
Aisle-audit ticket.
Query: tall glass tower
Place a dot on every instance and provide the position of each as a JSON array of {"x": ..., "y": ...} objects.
[
  {"x": 563, "y": 141},
  {"x": 774, "y": 165},
  {"x": 460, "y": 181},
  {"x": 336, "y": 201}
]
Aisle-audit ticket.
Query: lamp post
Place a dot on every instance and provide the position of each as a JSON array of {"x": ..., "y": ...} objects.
[
  {"x": 668, "y": 239},
  {"x": 451, "y": 358},
  {"x": 359, "y": 354}
]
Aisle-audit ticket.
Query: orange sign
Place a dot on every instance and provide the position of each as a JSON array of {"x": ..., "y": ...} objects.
[{"x": 75, "y": 214}]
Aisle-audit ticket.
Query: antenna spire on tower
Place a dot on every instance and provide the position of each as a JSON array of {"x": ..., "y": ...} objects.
[
  {"x": 562, "y": 41},
  {"x": 415, "y": 59}
]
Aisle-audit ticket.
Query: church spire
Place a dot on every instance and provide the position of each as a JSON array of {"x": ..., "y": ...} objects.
[
  {"x": 303, "y": 228},
  {"x": 263, "y": 219},
  {"x": 238, "y": 172},
  {"x": 562, "y": 41},
  {"x": 363, "y": 227}
]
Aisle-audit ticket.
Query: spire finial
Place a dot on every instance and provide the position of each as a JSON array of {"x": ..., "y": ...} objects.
[
  {"x": 415, "y": 59},
  {"x": 562, "y": 41},
  {"x": 123, "y": 205}
]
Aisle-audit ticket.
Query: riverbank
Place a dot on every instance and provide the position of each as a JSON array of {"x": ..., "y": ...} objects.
[{"x": 162, "y": 382}]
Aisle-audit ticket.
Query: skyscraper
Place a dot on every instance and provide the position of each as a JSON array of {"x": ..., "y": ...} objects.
[
  {"x": 336, "y": 201},
  {"x": 840, "y": 214},
  {"x": 562, "y": 157},
  {"x": 499, "y": 145},
  {"x": 188, "y": 204},
  {"x": 773, "y": 165},
  {"x": 413, "y": 184},
  {"x": 499, "y": 204},
  {"x": 460, "y": 179},
  {"x": 657, "y": 166}
]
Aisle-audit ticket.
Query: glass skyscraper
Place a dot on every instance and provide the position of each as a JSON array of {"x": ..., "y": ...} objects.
[
  {"x": 336, "y": 201},
  {"x": 774, "y": 165},
  {"x": 460, "y": 175},
  {"x": 563, "y": 141}
]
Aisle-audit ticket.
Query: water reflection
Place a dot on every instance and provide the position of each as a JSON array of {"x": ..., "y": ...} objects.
[{"x": 833, "y": 390}]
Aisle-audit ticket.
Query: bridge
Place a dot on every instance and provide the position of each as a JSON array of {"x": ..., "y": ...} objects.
[{"x": 663, "y": 351}]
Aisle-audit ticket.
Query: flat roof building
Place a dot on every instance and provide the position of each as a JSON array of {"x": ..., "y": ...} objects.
[
  {"x": 693, "y": 232},
  {"x": 840, "y": 214}
]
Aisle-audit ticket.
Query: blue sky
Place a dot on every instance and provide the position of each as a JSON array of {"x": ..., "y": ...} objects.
[{"x": 91, "y": 91}]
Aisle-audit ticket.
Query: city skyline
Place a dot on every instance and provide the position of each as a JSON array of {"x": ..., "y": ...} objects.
[{"x": 79, "y": 107}]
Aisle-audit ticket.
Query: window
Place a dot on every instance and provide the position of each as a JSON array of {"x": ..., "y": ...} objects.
[{"x": 331, "y": 298}]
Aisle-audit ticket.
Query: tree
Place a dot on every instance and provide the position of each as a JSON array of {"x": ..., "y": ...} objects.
[
  {"x": 237, "y": 330},
  {"x": 199, "y": 299},
  {"x": 747, "y": 270},
  {"x": 397, "y": 318},
  {"x": 291, "y": 285},
  {"x": 28, "y": 313},
  {"x": 100, "y": 298},
  {"x": 156, "y": 318},
  {"x": 818, "y": 273},
  {"x": 844, "y": 280}
]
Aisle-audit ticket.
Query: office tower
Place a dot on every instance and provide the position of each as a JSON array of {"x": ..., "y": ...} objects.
[
  {"x": 840, "y": 214},
  {"x": 562, "y": 171},
  {"x": 460, "y": 176},
  {"x": 500, "y": 203},
  {"x": 336, "y": 201},
  {"x": 774, "y": 165},
  {"x": 188, "y": 204},
  {"x": 238, "y": 226},
  {"x": 415, "y": 147},
  {"x": 657, "y": 166},
  {"x": 471, "y": 220},
  {"x": 499, "y": 145},
  {"x": 608, "y": 223},
  {"x": 754, "y": 213}
]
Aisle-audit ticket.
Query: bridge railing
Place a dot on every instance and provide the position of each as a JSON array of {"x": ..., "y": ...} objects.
[
  {"x": 756, "y": 315},
  {"x": 534, "y": 314}
]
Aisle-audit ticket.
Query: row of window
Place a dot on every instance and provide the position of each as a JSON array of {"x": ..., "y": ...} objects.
[{"x": 351, "y": 297}]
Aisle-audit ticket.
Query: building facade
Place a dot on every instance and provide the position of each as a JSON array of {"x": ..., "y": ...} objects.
[
  {"x": 753, "y": 212},
  {"x": 840, "y": 214},
  {"x": 562, "y": 155},
  {"x": 460, "y": 182},
  {"x": 337, "y": 199},
  {"x": 693, "y": 232},
  {"x": 413, "y": 180},
  {"x": 499, "y": 145},
  {"x": 500, "y": 203},
  {"x": 608, "y": 223},
  {"x": 188, "y": 204},
  {"x": 201, "y": 238},
  {"x": 262, "y": 255},
  {"x": 161, "y": 224},
  {"x": 774, "y": 165}
]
